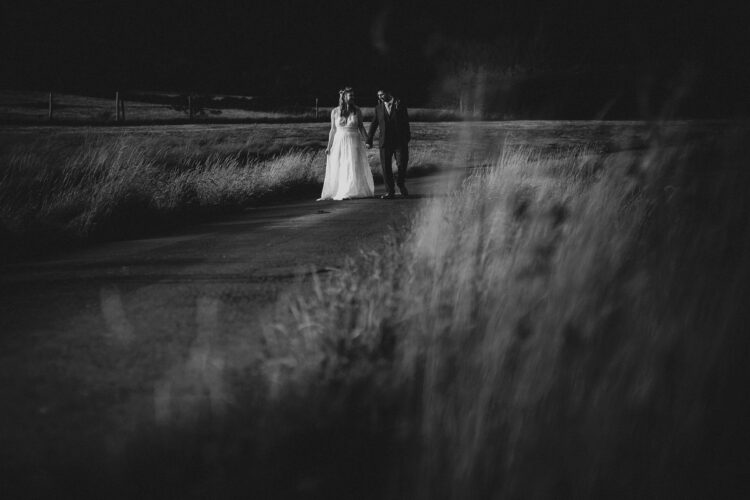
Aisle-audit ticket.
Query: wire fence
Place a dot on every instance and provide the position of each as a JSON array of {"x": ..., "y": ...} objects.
[
  {"x": 142, "y": 106},
  {"x": 134, "y": 107}
]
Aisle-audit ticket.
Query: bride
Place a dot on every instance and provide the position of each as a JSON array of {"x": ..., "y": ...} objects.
[{"x": 348, "y": 173}]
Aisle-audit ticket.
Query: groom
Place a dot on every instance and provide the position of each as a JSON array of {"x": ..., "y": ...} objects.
[{"x": 395, "y": 134}]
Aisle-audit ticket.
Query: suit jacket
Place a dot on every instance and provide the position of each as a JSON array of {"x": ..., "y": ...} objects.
[{"x": 394, "y": 127}]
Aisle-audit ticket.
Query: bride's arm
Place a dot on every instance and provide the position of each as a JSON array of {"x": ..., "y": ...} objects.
[
  {"x": 332, "y": 131},
  {"x": 362, "y": 131}
]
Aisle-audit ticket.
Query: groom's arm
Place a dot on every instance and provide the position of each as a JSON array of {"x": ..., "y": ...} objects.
[
  {"x": 362, "y": 131},
  {"x": 373, "y": 127},
  {"x": 407, "y": 128}
]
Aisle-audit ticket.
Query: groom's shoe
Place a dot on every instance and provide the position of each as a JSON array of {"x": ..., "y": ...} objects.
[
  {"x": 387, "y": 196},
  {"x": 404, "y": 191}
]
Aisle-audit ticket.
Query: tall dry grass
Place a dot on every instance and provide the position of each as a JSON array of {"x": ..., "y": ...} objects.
[
  {"x": 566, "y": 326},
  {"x": 126, "y": 186},
  {"x": 71, "y": 187}
]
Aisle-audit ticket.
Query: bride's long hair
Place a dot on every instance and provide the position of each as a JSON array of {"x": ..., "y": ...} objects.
[{"x": 345, "y": 108}]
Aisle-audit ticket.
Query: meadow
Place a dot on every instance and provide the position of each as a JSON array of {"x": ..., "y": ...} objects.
[
  {"x": 567, "y": 322},
  {"x": 61, "y": 187},
  {"x": 66, "y": 186}
]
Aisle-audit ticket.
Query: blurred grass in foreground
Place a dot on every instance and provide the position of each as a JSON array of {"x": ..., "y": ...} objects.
[{"x": 572, "y": 326}]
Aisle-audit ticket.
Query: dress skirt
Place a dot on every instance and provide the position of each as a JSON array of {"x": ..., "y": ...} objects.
[{"x": 348, "y": 173}]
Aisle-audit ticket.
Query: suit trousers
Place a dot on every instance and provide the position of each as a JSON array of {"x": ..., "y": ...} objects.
[{"x": 401, "y": 153}]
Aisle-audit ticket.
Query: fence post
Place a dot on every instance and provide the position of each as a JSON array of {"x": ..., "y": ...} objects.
[
  {"x": 190, "y": 107},
  {"x": 117, "y": 105},
  {"x": 316, "y": 108},
  {"x": 49, "y": 111},
  {"x": 122, "y": 108}
]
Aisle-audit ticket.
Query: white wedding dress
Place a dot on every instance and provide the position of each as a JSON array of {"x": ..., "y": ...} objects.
[{"x": 348, "y": 173}]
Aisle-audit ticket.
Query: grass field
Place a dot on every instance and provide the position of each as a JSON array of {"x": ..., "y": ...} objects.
[
  {"x": 568, "y": 322},
  {"x": 66, "y": 186},
  {"x": 63, "y": 186}
]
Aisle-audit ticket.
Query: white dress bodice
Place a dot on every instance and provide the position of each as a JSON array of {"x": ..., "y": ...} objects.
[{"x": 346, "y": 123}]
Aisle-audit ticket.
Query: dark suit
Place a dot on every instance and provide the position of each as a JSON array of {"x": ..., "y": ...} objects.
[{"x": 394, "y": 138}]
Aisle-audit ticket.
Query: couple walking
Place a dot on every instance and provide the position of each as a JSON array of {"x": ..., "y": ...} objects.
[{"x": 348, "y": 173}]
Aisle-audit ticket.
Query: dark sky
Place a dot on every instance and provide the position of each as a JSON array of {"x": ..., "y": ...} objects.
[{"x": 301, "y": 48}]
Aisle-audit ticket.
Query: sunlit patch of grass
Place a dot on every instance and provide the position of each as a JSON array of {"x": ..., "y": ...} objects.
[{"x": 116, "y": 187}]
